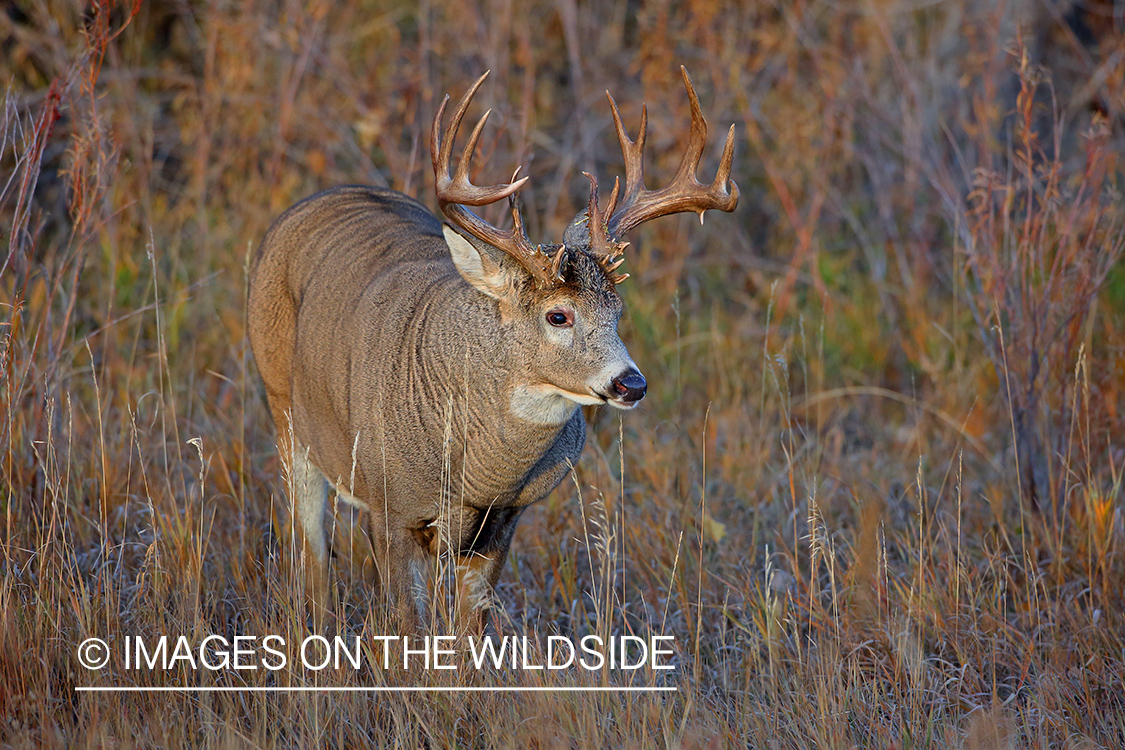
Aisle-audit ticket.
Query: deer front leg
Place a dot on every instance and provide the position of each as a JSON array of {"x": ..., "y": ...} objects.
[
  {"x": 478, "y": 567},
  {"x": 476, "y": 574}
]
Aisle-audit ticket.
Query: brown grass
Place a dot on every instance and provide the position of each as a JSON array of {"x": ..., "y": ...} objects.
[{"x": 875, "y": 492}]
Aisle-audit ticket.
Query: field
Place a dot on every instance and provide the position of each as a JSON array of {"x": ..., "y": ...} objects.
[{"x": 875, "y": 490}]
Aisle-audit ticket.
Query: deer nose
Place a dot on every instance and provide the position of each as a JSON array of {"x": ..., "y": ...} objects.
[{"x": 630, "y": 386}]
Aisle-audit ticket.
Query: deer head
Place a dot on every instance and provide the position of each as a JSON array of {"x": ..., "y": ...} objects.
[{"x": 562, "y": 298}]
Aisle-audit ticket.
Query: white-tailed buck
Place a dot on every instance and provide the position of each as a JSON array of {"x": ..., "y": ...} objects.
[{"x": 433, "y": 373}]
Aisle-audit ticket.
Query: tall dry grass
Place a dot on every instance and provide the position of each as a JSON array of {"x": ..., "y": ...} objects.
[{"x": 875, "y": 489}]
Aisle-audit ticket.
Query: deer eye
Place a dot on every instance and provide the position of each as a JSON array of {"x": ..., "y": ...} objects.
[{"x": 560, "y": 317}]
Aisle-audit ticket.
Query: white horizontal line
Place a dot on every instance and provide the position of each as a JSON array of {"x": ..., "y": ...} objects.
[{"x": 385, "y": 689}]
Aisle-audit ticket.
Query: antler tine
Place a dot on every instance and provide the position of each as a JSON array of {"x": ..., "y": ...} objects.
[
  {"x": 722, "y": 176},
  {"x": 697, "y": 138},
  {"x": 457, "y": 188},
  {"x": 685, "y": 192},
  {"x": 455, "y": 191},
  {"x": 604, "y": 249},
  {"x": 608, "y": 210},
  {"x": 518, "y": 229},
  {"x": 633, "y": 151},
  {"x": 461, "y": 175}
]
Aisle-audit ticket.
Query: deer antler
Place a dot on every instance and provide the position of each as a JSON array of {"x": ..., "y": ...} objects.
[
  {"x": 455, "y": 191},
  {"x": 638, "y": 205}
]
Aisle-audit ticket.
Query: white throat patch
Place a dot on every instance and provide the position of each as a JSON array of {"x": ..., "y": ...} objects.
[{"x": 546, "y": 404}]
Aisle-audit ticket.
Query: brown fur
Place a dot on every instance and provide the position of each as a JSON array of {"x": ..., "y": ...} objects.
[{"x": 371, "y": 343}]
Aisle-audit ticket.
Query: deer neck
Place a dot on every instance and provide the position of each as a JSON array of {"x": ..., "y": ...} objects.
[{"x": 540, "y": 406}]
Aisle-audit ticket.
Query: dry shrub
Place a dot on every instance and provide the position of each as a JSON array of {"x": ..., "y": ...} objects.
[{"x": 1040, "y": 241}]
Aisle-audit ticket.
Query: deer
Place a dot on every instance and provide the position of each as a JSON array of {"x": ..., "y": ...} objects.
[{"x": 433, "y": 373}]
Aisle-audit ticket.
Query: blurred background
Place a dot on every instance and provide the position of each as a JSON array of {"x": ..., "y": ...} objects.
[{"x": 875, "y": 489}]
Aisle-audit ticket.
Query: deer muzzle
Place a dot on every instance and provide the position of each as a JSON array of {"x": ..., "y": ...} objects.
[{"x": 628, "y": 388}]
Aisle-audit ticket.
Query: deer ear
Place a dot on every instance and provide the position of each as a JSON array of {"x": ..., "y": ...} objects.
[{"x": 484, "y": 270}]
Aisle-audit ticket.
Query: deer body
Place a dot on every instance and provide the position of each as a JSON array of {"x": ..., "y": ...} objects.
[
  {"x": 381, "y": 349},
  {"x": 374, "y": 359},
  {"x": 433, "y": 373}
]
